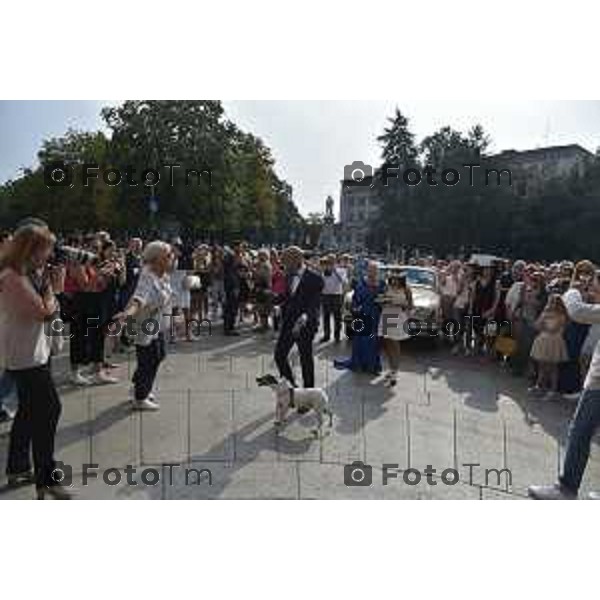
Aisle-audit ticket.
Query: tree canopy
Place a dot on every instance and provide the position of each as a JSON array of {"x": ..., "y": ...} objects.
[
  {"x": 221, "y": 182},
  {"x": 559, "y": 221}
]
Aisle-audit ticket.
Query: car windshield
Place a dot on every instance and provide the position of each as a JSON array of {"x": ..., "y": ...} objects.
[{"x": 415, "y": 276}]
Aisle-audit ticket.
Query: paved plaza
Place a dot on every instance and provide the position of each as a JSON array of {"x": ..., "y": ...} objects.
[{"x": 216, "y": 425}]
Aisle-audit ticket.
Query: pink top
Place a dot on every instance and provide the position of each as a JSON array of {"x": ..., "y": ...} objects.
[{"x": 278, "y": 282}]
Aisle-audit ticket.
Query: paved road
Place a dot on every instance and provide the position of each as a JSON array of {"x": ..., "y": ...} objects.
[{"x": 215, "y": 422}]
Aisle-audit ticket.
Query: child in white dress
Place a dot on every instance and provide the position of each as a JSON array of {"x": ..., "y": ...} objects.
[{"x": 549, "y": 348}]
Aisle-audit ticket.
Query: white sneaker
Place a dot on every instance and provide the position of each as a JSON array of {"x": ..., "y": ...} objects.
[
  {"x": 550, "y": 492},
  {"x": 146, "y": 404},
  {"x": 102, "y": 378},
  {"x": 78, "y": 379},
  {"x": 131, "y": 394}
]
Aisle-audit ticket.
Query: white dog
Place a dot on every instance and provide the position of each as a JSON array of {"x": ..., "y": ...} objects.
[{"x": 303, "y": 399}]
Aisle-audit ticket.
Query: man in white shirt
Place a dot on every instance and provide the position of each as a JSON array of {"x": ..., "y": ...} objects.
[
  {"x": 587, "y": 415},
  {"x": 332, "y": 298}
]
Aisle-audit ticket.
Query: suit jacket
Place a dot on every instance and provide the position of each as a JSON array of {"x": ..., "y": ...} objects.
[
  {"x": 231, "y": 274},
  {"x": 306, "y": 300}
]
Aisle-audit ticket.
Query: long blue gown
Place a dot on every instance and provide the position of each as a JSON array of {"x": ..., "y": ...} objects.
[{"x": 365, "y": 348}]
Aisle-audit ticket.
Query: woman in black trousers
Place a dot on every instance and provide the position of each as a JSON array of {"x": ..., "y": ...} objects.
[{"x": 26, "y": 301}]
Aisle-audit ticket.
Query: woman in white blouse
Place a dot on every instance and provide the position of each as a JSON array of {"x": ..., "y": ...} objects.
[
  {"x": 149, "y": 305},
  {"x": 26, "y": 301}
]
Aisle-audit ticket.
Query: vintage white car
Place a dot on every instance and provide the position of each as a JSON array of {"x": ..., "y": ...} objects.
[{"x": 424, "y": 284}]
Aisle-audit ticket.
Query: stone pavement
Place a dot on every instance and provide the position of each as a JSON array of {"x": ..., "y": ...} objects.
[{"x": 445, "y": 412}]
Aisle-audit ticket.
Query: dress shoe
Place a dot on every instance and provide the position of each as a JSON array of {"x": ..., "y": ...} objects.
[
  {"x": 551, "y": 492},
  {"x": 18, "y": 479}
]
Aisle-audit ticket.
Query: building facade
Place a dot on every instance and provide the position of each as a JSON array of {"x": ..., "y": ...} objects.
[
  {"x": 359, "y": 205},
  {"x": 532, "y": 170}
]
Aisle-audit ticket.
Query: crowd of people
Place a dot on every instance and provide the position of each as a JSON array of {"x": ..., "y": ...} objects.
[{"x": 544, "y": 321}]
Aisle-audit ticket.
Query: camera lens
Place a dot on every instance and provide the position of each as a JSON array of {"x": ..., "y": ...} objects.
[
  {"x": 357, "y": 175},
  {"x": 361, "y": 324},
  {"x": 58, "y": 475},
  {"x": 58, "y": 175},
  {"x": 360, "y": 477}
]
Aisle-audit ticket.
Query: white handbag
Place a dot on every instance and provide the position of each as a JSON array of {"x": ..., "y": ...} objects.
[{"x": 192, "y": 282}]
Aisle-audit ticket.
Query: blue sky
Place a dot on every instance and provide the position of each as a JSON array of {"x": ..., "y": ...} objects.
[{"x": 313, "y": 140}]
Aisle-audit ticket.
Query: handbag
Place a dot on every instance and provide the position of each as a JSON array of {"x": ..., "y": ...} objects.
[
  {"x": 505, "y": 345},
  {"x": 192, "y": 282}
]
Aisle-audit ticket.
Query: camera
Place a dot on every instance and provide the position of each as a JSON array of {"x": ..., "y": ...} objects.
[
  {"x": 63, "y": 254},
  {"x": 54, "y": 326},
  {"x": 358, "y": 474},
  {"x": 62, "y": 473},
  {"x": 358, "y": 173},
  {"x": 360, "y": 325},
  {"x": 58, "y": 174}
]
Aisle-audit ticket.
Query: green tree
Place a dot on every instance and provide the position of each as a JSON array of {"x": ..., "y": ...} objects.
[{"x": 398, "y": 142}]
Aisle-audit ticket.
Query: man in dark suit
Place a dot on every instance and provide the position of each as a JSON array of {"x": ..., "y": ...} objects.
[
  {"x": 231, "y": 282},
  {"x": 299, "y": 316}
]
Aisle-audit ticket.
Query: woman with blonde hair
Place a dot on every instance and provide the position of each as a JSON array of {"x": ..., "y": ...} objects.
[
  {"x": 27, "y": 299},
  {"x": 150, "y": 304}
]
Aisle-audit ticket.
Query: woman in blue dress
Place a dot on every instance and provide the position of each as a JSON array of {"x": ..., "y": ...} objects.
[{"x": 365, "y": 344}]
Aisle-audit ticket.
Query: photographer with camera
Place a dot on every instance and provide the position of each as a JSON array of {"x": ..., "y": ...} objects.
[
  {"x": 97, "y": 284},
  {"x": 27, "y": 297},
  {"x": 6, "y": 382},
  {"x": 113, "y": 269}
]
